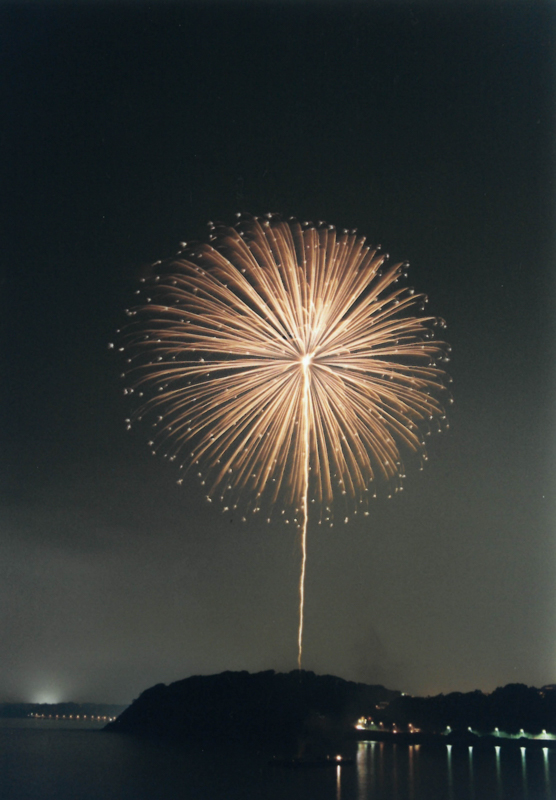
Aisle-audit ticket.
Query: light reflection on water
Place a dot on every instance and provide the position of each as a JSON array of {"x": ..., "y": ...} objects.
[
  {"x": 411, "y": 771},
  {"x": 524, "y": 772},
  {"x": 498, "y": 779},
  {"x": 471, "y": 779},
  {"x": 57, "y": 764},
  {"x": 418, "y": 772},
  {"x": 450, "y": 780}
]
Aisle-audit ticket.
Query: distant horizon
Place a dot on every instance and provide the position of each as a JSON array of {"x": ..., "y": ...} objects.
[{"x": 254, "y": 672}]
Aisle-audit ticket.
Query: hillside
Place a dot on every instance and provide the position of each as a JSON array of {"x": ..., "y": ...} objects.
[{"x": 244, "y": 707}]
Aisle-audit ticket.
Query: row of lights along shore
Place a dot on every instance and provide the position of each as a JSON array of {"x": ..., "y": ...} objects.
[
  {"x": 72, "y": 716},
  {"x": 366, "y": 723}
]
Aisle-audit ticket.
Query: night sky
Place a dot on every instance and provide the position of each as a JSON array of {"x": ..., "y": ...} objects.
[{"x": 125, "y": 129}]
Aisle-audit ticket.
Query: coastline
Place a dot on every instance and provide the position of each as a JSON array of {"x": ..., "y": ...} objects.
[{"x": 464, "y": 739}]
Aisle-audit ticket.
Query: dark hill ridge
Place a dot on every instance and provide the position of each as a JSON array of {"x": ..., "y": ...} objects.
[
  {"x": 512, "y": 709},
  {"x": 240, "y": 707}
]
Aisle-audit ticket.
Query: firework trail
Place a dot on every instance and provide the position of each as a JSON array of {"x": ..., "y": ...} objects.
[{"x": 285, "y": 361}]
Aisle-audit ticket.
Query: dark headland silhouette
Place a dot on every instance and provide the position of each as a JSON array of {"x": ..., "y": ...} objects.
[
  {"x": 286, "y": 709},
  {"x": 239, "y": 707}
]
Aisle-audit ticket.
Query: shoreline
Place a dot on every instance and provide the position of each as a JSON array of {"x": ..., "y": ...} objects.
[{"x": 488, "y": 741}]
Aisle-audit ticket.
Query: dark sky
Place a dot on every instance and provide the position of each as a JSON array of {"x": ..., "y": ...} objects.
[{"x": 125, "y": 128}]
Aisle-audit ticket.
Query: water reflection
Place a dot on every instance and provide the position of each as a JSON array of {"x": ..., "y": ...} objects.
[
  {"x": 90, "y": 765},
  {"x": 449, "y": 764},
  {"x": 366, "y": 769},
  {"x": 524, "y": 771},
  {"x": 381, "y": 763},
  {"x": 396, "y": 772},
  {"x": 362, "y": 770},
  {"x": 471, "y": 780},
  {"x": 411, "y": 770},
  {"x": 498, "y": 777}
]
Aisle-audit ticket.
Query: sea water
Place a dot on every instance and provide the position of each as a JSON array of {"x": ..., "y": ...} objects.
[{"x": 40, "y": 760}]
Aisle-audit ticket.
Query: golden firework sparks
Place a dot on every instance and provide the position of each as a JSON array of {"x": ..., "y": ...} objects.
[{"x": 290, "y": 361}]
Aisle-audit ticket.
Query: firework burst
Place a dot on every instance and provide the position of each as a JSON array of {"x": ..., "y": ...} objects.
[{"x": 285, "y": 361}]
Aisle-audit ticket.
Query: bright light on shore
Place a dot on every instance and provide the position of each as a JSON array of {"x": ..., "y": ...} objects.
[{"x": 46, "y": 696}]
